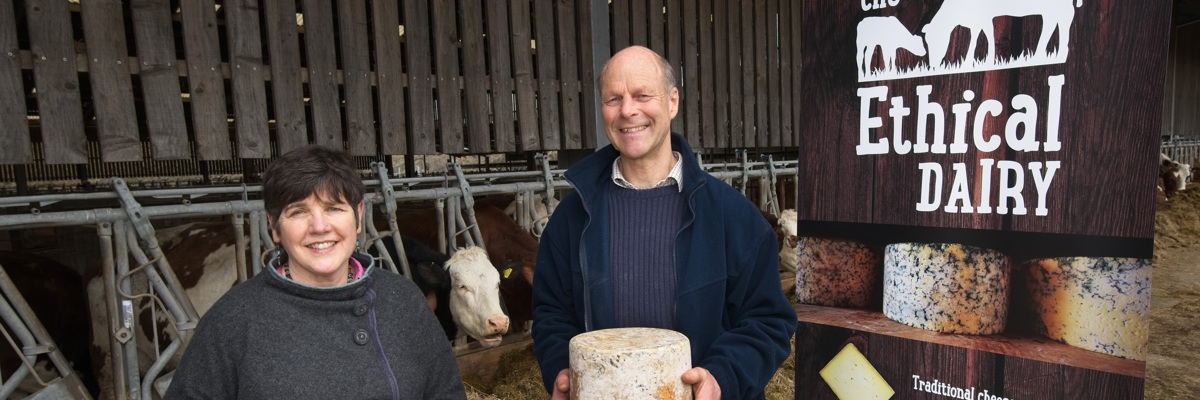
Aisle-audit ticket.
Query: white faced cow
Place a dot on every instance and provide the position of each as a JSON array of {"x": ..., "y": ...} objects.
[
  {"x": 787, "y": 252},
  {"x": 475, "y": 297}
]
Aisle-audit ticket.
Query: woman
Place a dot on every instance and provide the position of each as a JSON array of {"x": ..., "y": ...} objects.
[{"x": 321, "y": 322}]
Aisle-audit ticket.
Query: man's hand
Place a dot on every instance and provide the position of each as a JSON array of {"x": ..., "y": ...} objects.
[
  {"x": 562, "y": 385},
  {"x": 704, "y": 385}
]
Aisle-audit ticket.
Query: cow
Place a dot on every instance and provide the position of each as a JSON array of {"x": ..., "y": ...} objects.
[
  {"x": 55, "y": 294},
  {"x": 506, "y": 243},
  {"x": 459, "y": 289},
  {"x": 202, "y": 257},
  {"x": 890, "y": 35},
  {"x": 538, "y": 217},
  {"x": 535, "y": 206},
  {"x": 787, "y": 251},
  {"x": 977, "y": 17},
  {"x": 1174, "y": 176}
]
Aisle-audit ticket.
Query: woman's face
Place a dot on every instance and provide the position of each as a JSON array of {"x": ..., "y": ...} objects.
[{"x": 318, "y": 234}]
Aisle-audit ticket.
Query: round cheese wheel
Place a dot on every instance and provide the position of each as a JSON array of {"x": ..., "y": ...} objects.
[
  {"x": 835, "y": 273},
  {"x": 1098, "y": 304},
  {"x": 946, "y": 287},
  {"x": 630, "y": 363}
]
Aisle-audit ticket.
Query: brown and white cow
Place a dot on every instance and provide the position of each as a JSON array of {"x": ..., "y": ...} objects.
[
  {"x": 788, "y": 241},
  {"x": 506, "y": 244},
  {"x": 462, "y": 290}
]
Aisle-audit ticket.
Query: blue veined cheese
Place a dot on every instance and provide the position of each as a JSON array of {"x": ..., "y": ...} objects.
[
  {"x": 1098, "y": 304},
  {"x": 630, "y": 363},
  {"x": 946, "y": 287},
  {"x": 835, "y": 273}
]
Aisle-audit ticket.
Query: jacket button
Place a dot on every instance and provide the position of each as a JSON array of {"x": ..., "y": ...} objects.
[
  {"x": 361, "y": 337},
  {"x": 360, "y": 309}
]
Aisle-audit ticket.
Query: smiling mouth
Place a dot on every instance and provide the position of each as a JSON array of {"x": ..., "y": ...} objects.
[
  {"x": 634, "y": 129},
  {"x": 321, "y": 245}
]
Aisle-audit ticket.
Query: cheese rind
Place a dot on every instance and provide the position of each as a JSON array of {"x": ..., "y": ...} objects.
[
  {"x": 1098, "y": 304},
  {"x": 836, "y": 273},
  {"x": 852, "y": 377},
  {"x": 946, "y": 287},
  {"x": 630, "y": 363}
]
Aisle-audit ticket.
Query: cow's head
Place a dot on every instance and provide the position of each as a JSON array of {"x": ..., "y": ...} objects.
[{"x": 475, "y": 296}]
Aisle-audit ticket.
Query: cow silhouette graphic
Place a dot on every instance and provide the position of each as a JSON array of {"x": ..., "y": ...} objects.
[
  {"x": 889, "y": 34},
  {"x": 977, "y": 16}
]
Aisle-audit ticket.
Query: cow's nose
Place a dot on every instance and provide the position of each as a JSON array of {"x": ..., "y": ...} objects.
[{"x": 498, "y": 324}]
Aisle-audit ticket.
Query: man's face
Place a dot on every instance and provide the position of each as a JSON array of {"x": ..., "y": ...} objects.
[{"x": 636, "y": 106}]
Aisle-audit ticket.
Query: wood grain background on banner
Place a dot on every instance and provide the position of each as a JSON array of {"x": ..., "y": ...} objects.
[
  {"x": 1110, "y": 116},
  {"x": 1009, "y": 366}
]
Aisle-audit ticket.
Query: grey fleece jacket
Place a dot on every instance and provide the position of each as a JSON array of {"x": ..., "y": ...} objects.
[{"x": 271, "y": 338}]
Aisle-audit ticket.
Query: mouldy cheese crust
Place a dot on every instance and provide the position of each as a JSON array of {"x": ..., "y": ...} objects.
[
  {"x": 1098, "y": 304},
  {"x": 946, "y": 287},
  {"x": 835, "y": 273},
  {"x": 629, "y": 363}
]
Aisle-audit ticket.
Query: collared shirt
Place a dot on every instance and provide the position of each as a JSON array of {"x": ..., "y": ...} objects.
[{"x": 673, "y": 178}]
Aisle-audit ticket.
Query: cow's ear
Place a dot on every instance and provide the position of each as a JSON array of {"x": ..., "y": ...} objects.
[{"x": 509, "y": 270}]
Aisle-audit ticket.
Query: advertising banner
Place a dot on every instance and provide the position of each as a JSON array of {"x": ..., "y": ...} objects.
[{"x": 976, "y": 197}]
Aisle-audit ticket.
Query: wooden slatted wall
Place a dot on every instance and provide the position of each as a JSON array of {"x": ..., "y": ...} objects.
[
  {"x": 248, "y": 79},
  {"x": 737, "y": 65}
]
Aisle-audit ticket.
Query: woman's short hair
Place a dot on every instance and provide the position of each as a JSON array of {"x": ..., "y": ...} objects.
[{"x": 306, "y": 171}]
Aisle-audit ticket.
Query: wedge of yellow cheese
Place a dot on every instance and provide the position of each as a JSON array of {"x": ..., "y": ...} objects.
[{"x": 852, "y": 377}]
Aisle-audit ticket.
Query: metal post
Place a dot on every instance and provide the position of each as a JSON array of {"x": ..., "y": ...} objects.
[
  {"x": 239, "y": 245},
  {"x": 104, "y": 231}
]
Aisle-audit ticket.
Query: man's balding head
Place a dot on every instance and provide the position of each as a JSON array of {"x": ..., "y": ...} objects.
[{"x": 639, "y": 54}]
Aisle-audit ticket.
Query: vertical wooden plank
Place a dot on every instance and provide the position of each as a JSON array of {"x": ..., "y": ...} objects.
[
  {"x": 321, "y": 57},
  {"x": 569, "y": 67},
  {"x": 206, "y": 85},
  {"x": 56, "y": 81},
  {"x": 691, "y": 69},
  {"x": 654, "y": 19},
  {"x": 420, "y": 77},
  {"x": 673, "y": 29},
  {"x": 547, "y": 75},
  {"x": 475, "y": 80},
  {"x": 783, "y": 29},
  {"x": 390, "y": 75},
  {"x": 500, "y": 72},
  {"x": 749, "y": 102},
  {"x": 638, "y": 34},
  {"x": 527, "y": 118},
  {"x": 15, "y": 135},
  {"x": 797, "y": 22},
  {"x": 737, "y": 128},
  {"x": 762, "y": 128},
  {"x": 287, "y": 90},
  {"x": 449, "y": 89},
  {"x": 588, "y": 73},
  {"x": 159, "y": 78},
  {"x": 246, "y": 67},
  {"x": 356, "y": 81},
  {"x": 112, "y": 90},
  {"x": 621, "y": 36},
  {"x": 712, "y": 74}
]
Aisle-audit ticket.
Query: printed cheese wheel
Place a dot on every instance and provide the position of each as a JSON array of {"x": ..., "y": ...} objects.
[
  {"x": 946, "y": 287},
  {"x": 630, "y": 363},
  {"x": 835, "y": 273},
  {"x": 1098, "y": 304}
]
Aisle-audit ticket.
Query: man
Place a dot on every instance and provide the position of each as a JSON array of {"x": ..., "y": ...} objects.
[{"x": 649, "y": 239}]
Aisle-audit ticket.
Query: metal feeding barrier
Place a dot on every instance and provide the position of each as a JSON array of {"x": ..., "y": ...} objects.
[{"x": 134, "y": 268}]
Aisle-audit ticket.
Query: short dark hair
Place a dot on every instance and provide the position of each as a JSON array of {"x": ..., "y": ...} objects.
[{"x": 306, "y": 171}]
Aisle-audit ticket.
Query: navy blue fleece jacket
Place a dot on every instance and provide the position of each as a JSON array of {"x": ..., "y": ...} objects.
[{"x": 728, "y": 300}]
